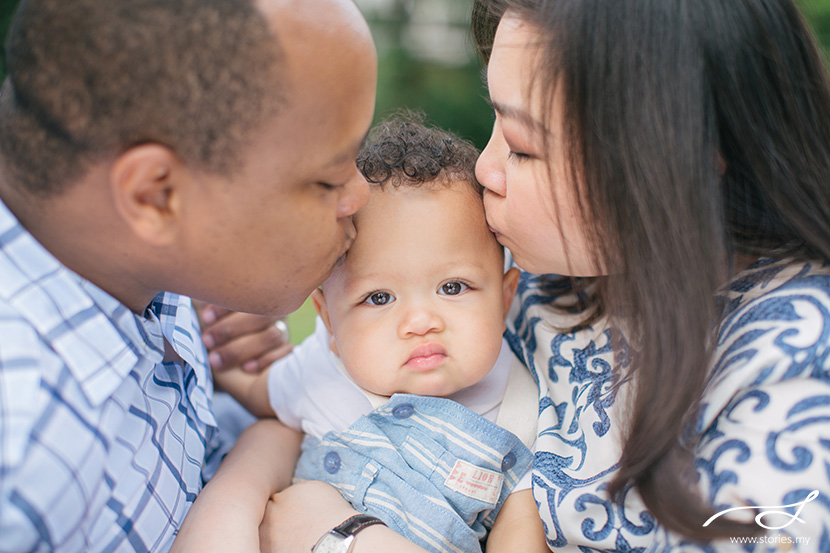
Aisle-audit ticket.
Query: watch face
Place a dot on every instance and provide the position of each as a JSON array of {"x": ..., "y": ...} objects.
[{"x": 333, "y": 543}]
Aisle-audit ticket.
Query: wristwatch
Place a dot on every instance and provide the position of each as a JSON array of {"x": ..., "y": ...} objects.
[{"x": 341, "y": 538}]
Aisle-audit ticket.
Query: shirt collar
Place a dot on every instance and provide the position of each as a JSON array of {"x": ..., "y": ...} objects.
[
  {"x": 180, "y": 327},
  {"x": 98, "y": 338}
]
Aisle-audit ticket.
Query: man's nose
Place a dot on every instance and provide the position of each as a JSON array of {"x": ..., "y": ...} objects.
[{"x": 355, "y": 195}]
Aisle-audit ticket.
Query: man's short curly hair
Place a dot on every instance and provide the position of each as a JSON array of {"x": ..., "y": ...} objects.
[
  {"x": 92, "y": 78},
  {"x": 403, "y": 151}
]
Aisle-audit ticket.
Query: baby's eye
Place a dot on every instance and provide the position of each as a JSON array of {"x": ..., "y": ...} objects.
[
  {"x": 379, "y": 298},
  {"x": 452, "y": 288}
]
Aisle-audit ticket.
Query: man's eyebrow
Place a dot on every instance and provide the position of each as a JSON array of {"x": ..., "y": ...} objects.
[
  {"x": 348, "y": 155},
  {"x": 518, "y": 114}
]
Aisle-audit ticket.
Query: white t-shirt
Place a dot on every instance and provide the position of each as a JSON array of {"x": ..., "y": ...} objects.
[{"x": 310, "y": 391}]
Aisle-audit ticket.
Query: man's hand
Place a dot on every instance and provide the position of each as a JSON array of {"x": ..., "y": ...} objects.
[{"x": 250, "y": 342}]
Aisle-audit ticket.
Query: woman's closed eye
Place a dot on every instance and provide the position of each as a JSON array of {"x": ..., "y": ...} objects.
[
  {"x": 518, "y": 156},
  {"x": 379, "y": 298}
]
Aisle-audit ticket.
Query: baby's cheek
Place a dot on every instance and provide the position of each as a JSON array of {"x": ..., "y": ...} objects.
[{"x": 366, "y": 367}]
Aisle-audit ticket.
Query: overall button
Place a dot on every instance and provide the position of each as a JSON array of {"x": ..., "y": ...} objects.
[
  {"x": 508, "y": 461},
  {"x": 331, "y": 462},
  {"x": 403, "y": 411}
]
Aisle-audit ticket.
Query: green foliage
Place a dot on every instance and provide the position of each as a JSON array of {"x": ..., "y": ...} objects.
[
  {"x": 451, "y": 96},
  {"x": 7, "y": 8},
  {"x": 817, "y": 13}
]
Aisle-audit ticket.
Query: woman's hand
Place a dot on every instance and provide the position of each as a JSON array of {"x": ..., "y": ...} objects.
[{"x": 250, "y": 342}]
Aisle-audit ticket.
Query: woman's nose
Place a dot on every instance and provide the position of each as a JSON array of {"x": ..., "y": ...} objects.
[{"x": 490, "y": 165}]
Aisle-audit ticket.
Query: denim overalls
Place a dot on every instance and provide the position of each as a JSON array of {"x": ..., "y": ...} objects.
[{"x": 433, "y": 470}]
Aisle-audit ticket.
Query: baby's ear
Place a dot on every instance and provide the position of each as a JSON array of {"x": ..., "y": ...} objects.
[
  {"x": 511, "y": 282},
  {"x": 320, "y": 305}
]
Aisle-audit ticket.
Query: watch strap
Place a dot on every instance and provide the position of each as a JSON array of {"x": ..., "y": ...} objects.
[
  {"x": 341, "y": 538},
  {"x": 355, "y": 524}
]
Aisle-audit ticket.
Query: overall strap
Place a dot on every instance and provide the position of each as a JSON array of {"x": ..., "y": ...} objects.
[{"x": 519, "y": 410}]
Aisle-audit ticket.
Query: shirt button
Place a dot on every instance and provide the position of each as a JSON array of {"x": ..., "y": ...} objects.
[
  {"x": 331, "y": 462},
  {"x": 403, "y": 411},
  {"x": 508, "y": 461}
]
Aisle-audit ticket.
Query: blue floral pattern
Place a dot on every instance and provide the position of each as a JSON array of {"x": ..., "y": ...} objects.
[{"x": 764, "y": 422}]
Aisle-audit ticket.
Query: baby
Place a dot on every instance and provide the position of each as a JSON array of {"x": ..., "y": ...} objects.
[{"x": 414, "y": 407}]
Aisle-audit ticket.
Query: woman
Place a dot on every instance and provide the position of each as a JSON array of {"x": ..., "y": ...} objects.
[
  {"x": 672, "y": 158},
  {"x": 679, "y": 151}
]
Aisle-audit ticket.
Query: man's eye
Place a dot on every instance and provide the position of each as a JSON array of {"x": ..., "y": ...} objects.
[
  {"x": 452, "y": 288},
  {"x": 379, "y": 298}
]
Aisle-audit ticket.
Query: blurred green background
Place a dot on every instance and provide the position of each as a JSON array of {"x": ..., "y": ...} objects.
[{"x": 427, "y": 62}]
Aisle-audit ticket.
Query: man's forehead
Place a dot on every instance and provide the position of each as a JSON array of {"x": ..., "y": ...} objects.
[{"x": 348, "y": 155}]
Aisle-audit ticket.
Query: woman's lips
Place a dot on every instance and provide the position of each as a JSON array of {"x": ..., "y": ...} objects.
[{"x": 426, "y": 357}]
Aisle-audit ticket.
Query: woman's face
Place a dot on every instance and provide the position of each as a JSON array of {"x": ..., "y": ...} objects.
[{"x": 530, "y": 199}]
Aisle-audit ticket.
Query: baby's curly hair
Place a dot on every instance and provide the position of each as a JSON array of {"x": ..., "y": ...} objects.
[{"x": 403, "y": 150}]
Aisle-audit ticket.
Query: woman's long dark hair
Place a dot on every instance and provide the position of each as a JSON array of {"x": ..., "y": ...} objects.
[{"x": 700, "y": 130}]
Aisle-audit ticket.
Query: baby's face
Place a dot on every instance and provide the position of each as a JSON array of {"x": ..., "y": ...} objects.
[{"x": 418, "y": 305}]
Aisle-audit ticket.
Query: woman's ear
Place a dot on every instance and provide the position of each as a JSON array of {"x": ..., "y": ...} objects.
[
  {"x": 320, "y": 305},
  {"x": 143, "y": 182},
  {"x": 511, "y": 282},
  {"x": 720, "y": 164}
]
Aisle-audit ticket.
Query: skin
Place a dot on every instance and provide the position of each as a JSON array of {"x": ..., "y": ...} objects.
[
  {"x": 531, "y": 201},
  {"x": 450, "y": 295},
  {"x": 258, "y": 240},
  {"x": 241, "y": 340},
  {"x": 419, "y": 311},
  {"x": 304, "y": 190},
  {"x": 531, "y": 204},
  {"x": 397, "y": 290},
  {"x": 532, "y": 207}
]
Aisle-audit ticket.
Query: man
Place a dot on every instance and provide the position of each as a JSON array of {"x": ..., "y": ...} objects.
[{"x": 198, "y": 147}]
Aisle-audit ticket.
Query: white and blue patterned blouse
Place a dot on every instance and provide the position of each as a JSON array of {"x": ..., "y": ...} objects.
[
  {"x": 103, "y": 442},
  {"x": 764, "y": 423}
]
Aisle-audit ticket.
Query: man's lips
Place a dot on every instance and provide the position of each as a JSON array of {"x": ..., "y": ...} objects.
[
  {"x": 350, "y": 237},
  {"x": 426, "y": 357}
]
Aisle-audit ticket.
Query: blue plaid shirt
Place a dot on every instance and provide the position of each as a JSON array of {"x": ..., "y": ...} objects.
[{"x": 104, "y": 444}]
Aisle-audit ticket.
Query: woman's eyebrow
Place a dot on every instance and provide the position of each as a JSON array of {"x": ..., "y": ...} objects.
[{"x": 518, "y": 114}]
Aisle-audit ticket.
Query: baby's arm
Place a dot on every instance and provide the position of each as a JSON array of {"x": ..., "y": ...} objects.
[
  {"x": 289, "y": 380},
  {"x": 518, "y": 526},
  {"x": 227, "y": 513},
  {"x": 250, "y": 390},
  {"x": 299, "y": 516}
]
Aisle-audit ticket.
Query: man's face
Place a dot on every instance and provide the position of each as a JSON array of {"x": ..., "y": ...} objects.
[{"x": 268, "y": 235}]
